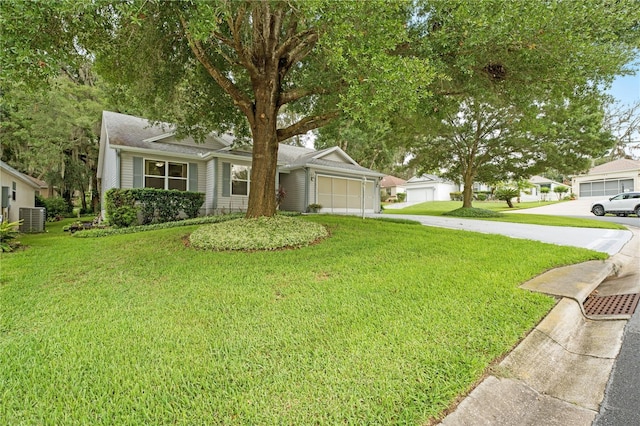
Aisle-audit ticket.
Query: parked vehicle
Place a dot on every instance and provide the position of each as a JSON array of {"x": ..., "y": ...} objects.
[{"x": 621, "y": 205}]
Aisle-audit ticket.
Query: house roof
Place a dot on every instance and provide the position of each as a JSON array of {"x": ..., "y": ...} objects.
[
  {"x": 297, "y": 157},
  {"x": 19, "y": 175},
  {"x": 428, "y": 178},
  {"x": 139, "y": 134},
  {"x": 41, "y": 184},
  {"x": 391, "y": 181},
  {"x": 542, "y": 180},
  {"x": 135, "y": 132},
  {"x": 620, "y": 165}
]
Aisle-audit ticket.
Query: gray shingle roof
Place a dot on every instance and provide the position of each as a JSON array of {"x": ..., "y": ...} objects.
[{"x": 135, "y": 132}]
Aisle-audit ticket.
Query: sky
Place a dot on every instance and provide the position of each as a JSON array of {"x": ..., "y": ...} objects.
[{"x": 626, "y": 89}]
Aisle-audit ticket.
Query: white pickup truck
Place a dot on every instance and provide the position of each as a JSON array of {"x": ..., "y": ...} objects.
[{"x": 621, "y": 205}]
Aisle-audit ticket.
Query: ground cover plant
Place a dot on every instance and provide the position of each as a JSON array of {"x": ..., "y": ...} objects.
[
  {"x": 441, "y": 208},
  {"x": 382, "y": 323},
  {"x": 264, "y": 233}
]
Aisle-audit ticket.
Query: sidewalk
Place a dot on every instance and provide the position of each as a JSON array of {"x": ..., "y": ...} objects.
[{"x": 558, "y": 374}]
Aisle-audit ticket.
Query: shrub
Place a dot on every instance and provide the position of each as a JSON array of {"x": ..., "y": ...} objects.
[
  {"x": 455, "y": 196},
  {"x": 57, "y": 207},
  {"x": 8, "y": 233},
  {"x": 401, "y": 196},
  {"x": 121, "y": 208},
  {"x": 481, "y": 196},
  {"x": 154, "y": 205}
]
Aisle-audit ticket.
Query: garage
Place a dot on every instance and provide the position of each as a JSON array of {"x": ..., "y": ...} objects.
[
  {"x": 345, "y": 195},
  {"x": 420, "y": 195}
]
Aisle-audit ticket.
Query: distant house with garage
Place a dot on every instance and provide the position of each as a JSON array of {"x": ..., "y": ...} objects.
[
  {"x": 429, "y": 188},
  {"x": 614, "y": 177},
  {"x": 135, "y": 153}
]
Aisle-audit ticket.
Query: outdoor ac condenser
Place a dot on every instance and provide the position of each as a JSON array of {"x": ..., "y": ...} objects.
[{"x": 33, "y": 219}]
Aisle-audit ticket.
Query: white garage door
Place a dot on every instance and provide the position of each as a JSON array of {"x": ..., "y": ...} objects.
[
  {"x": 343, "y": 195},
  {"x": 420, "y": 195}
]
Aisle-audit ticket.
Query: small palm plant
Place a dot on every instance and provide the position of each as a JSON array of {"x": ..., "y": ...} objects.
[{"x": 8, "y": 234}]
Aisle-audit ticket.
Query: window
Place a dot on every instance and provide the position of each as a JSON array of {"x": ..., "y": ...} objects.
[
  {"x": 165, "y": 175},
  {"x": 13, "y": 191},
  {"x": 240, "y": 177}
]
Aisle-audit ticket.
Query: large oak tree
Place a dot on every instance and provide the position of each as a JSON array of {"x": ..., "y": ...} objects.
[
  {"x": 233, "y": 65},
  {"x": 521, "y": 84}
]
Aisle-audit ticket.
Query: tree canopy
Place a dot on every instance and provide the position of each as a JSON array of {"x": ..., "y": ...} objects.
[{"x": 520, "y": 86}]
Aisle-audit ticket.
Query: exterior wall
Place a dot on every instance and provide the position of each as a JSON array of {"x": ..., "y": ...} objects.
[
  {"x": 294, "y": 184},
  {"x": 126, "y": 168},
  {"x": 232, "y": 203},
  {"x": 25, "y": 196},
  {"x": 334, "y": 157},
  {"x": 210, "y": 191},
  {"x": 109, "y": 175},
  {"x": 633, "y": 175}
]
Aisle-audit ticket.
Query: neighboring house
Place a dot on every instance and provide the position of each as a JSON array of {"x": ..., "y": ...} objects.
[
  {"x": 135, "y": 153},
  {"x": 44, "y": 190},
  {"x": 18, "y": 190},
  {"x": 391, "y": 186},
  {"x": 534, "y": 193},
  {"x": 608, "y": 179},
  {"x": 429, "y": 188}
]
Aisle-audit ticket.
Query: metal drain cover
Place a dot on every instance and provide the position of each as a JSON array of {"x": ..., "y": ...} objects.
[{"x": 619, "y": 304}]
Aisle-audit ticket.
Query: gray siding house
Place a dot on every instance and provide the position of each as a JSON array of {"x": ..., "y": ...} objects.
[{"x": 135, "y": 153}]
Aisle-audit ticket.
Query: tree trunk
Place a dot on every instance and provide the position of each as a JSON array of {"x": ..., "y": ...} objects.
[
  {"x": 262, "y": 193},
  {"x": 467, "y": 193}
]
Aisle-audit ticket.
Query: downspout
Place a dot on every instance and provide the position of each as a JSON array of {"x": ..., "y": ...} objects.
[
  {"x": 118, "y": 172},
  {"x": 364, "y": 193},
  {"x": 306, "y": 189}
]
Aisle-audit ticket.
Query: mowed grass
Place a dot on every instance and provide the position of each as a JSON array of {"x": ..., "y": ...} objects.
[
  {"x": 382, "y": 323},
  {"x": 438, "y": 208}
]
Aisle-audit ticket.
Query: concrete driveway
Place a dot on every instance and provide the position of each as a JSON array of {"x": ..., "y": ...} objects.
[
  {"x": 604, "y": 240},
  {"x": 580, "y": 207}
]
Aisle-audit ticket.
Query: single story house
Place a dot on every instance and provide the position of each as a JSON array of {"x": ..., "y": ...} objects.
[
  {"x": 614, "y": 177},
  {"x": 391, "y": 186},
  {"x": 534, "y": 193},
  {"x": 18, "y": 191},
  {"x": 135, "y": 153},
  {"x": 429, "y": 188}
]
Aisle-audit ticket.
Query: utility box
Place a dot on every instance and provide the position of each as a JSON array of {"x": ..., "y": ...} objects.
[{"x": 33, "y": 219}]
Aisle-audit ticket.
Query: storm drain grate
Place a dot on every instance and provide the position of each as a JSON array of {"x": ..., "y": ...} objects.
[{"x": 619, "y": 304}]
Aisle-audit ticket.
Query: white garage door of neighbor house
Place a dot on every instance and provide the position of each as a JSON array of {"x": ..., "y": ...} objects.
[
  {"x": 342, "y": 195},
  {"x": 420, "y": 195}
]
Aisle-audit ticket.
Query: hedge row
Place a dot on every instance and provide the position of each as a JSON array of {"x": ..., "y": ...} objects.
[{"x": 142, "y": 206}]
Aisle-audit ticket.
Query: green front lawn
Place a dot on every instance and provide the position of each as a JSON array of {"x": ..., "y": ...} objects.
[
  {"x": 438, "y": 208},
  {"x": 382, "y": 323}
]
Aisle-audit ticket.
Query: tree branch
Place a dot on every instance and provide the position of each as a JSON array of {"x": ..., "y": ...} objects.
[
  {"x": 239, "y": 98},
  {"x": 306, "y": 124},
  {"x": 295, "y": 94}
]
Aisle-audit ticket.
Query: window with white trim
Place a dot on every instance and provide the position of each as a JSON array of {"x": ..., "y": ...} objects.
[
  {"x": 165, "y": 175},
  {"x": 240, "y": 178}
]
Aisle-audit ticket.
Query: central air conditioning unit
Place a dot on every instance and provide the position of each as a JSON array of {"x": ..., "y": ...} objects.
[{"x": 33, "y": 219}]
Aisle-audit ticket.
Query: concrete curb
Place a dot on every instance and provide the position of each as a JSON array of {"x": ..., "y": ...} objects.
[{"x": 559, "y": 373}]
